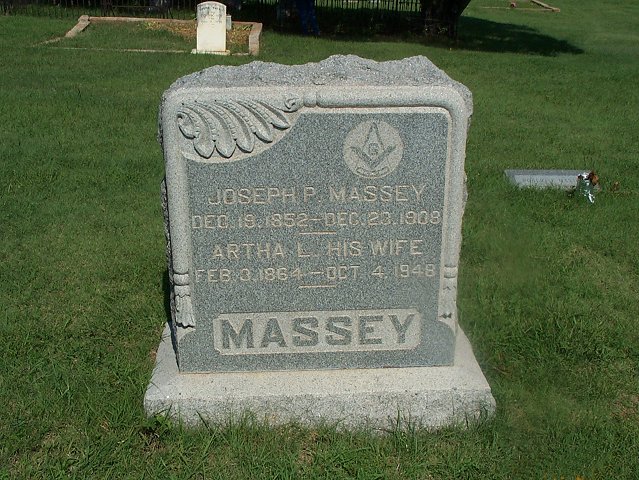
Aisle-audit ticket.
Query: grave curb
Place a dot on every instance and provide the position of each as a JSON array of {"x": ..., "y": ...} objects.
[{"x": 85, "y": 20}]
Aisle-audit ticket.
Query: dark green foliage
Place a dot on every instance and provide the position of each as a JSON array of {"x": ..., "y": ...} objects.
[{"x": 440, "y": 17}]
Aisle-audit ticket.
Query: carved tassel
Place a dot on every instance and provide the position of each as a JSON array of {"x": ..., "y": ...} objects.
[{"x": 183, "y": 308}]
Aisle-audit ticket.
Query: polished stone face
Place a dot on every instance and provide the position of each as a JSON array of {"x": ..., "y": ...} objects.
[{"x": 314, "y": 227}]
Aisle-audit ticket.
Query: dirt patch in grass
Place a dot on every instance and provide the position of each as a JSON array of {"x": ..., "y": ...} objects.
[{"x": 627, "y": 407}]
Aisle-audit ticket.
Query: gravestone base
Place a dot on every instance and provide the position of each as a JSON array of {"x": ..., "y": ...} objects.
[
  {"x": 378, "y": 398},
  {"x": 207, "y": 52}
]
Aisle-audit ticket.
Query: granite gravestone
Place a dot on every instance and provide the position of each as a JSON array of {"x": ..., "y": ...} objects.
[
  {"x": 211, "y": 28},
  {"x": 313, "y": 219}
]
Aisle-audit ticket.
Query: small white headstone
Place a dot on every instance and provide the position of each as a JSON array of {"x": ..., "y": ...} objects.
[{"x": 211, "y": 28}]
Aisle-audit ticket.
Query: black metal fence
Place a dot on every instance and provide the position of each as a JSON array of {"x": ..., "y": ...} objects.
[
  {"x": 356, "y": 15},
  {"x": 120, "y": 8}
]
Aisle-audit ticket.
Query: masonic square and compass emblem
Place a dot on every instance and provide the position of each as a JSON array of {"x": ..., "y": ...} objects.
[{"x": 373, "y": 149}]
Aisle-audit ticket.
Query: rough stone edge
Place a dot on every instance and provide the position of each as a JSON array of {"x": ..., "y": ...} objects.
[
  {"x": 332, "y": 72},
  {"x": 426, "y": 397},
  {"x": 566, "y": 179}
]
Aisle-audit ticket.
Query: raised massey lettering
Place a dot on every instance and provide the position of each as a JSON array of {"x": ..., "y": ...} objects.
[
  {"x": 344, "y": 334},
  {"x": 401, "y": 327},
  {"x": 245, "y": 335},
  {"x": 365, "y": 329},
  {"x": 301, "y": 332},
  {"x": 273, "y": 334},
  {"x": 305, "y": 326}
]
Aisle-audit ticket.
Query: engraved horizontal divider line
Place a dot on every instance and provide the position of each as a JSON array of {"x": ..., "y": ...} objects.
[{"x": 322, "y": 97}]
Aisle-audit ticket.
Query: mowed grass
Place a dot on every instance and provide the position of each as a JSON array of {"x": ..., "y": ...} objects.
[
  {"x": 549, "y": 285},
  {"x": 138, "y": 35},
  {"x": 149, "y": 36}
]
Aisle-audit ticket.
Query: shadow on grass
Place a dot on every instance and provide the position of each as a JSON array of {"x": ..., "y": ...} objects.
[
  {"x": 474, "y": 34},
  {"x": 487, "y": 36}
]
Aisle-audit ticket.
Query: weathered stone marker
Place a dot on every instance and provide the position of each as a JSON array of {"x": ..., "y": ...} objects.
[
  {"x": 211, "y": 28},
  {"x": 314, "y": 219},
  {"x": 545, "y": 178}
]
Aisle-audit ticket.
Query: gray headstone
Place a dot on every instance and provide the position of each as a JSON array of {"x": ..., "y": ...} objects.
[{"x": 313, "y": 217}]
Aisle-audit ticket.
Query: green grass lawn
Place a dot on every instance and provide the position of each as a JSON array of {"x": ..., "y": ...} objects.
[
  {"x": 146, "y": 36},
  {"x": 549, "y": 285},
  {"x": 127, "y": 36}
]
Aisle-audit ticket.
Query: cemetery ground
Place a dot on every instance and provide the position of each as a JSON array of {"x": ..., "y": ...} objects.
[
  {"x": 150, "y": 36},
  {"x": 549, "y": 284}
]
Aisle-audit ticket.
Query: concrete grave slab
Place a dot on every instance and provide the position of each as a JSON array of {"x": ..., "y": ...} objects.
[
  {"x": 377, "y": 398},
  {"x": 544, "y": 178}
]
